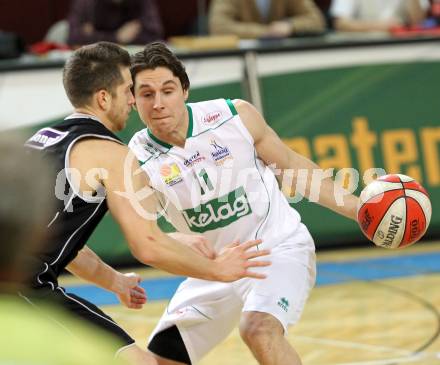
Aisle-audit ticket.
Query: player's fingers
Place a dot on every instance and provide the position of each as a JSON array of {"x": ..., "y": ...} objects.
[
  {"x": 138, "y": 300},
  {"x": 138, "y": 294},
  {"x": 257, "y": 263},
  {"x": 138, "y": 289},
  {"x": 207, "y": 250},
  {"x": 249, "y": 244},
  {"x": 202, "y": 239},
  {"x": 136, "y": 306},
  {"x": 199, "y": 247},
  {"x": 133, "y": 279},
  {"x": 251, "y": 274},
  {"x": 253, "y": 254},
  {"x": 233, "y": 244}
]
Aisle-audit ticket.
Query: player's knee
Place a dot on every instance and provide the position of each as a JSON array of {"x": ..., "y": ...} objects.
[
  {"x": 135, "y": 355},
  {"x": 259, "y": 328}
]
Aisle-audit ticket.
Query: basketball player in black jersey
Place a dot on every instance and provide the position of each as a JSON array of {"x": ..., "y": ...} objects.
[{"x": 93, "y": 168}]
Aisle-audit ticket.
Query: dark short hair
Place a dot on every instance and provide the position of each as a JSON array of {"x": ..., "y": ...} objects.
[
  {"x": 91, "y": 68},
  {"x": 157, "y": 54}
]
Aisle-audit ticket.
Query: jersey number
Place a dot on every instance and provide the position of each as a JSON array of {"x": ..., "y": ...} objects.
[{"x": 204, "y": 182}]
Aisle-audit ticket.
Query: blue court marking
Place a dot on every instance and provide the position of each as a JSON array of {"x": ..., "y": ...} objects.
[{"x": 328, "y": 273}]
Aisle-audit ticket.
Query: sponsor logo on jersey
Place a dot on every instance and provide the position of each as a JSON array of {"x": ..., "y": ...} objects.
[
  {"x": 194, "y": 159},
  {"x": 220, "y": 153},
  {"x": 45, "y": 137},
  {"x": 219, "y": 212},
  {"x": 284, "y": 304},
  {"x": 151, "y": 149},
  {"x": 212, "y": 117},
  {"x": 392, "y": 230},
  {"x": 171, "y": 174}
]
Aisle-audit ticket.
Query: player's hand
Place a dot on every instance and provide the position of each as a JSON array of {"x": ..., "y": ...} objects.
[
  {"x": 129, "y": 292},
  {"x": 235, "y": 260},
  {"x": 197, "y": 242}
]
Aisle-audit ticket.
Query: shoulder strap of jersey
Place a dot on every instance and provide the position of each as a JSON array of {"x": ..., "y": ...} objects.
[{"x": 210, "y": 114}]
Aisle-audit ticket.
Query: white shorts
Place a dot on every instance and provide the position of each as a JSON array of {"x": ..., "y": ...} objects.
[{"x": 205, "y": 312}]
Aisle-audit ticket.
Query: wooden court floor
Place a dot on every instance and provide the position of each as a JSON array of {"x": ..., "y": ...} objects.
[{"x": 383, "y": 310}]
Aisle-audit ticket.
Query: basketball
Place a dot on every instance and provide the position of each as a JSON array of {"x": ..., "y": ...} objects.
[{"x": 394, "y": 211}]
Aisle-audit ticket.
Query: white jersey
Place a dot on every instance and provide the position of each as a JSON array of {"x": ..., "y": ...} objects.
[{"x": 216, "y": 185}]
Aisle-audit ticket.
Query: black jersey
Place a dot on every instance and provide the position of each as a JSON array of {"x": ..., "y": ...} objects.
[{"x": 76, "y": 215}]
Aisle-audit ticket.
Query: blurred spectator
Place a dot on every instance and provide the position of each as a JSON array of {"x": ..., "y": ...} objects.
[
  {"x": 24, "y": 208},
  {"x": 192, "y": 19},
  {"x": 11, "y": 45},
  {"x": 30, "y": 334},
  {"x": 377, "y": 15},
  {"x": 120, "y": 21},
  {"x": 265, "y": 18},
  {"x": 58, "y": 32},
  {"x": 323, "y": 5}
]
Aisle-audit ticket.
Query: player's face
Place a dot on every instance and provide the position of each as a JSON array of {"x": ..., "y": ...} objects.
[
  {"x": 122, "y": 101},
  {"x": 160, "y": 100}
]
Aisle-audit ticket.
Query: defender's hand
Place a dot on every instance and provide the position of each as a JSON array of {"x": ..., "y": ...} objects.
[
  {"x": 129, "y": 292},
  {"x": 234, "y": 261}
]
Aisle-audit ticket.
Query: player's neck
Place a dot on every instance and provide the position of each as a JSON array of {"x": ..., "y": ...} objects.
[{"x": 96, "y": 114}]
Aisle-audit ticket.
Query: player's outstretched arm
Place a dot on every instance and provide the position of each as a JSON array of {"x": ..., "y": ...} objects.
[
  {"x": 88, "y": 266},
  {"x": 197, "y": 242},
  {"x": 271, "y": 149},
  {"x": 133, "y": 205}
]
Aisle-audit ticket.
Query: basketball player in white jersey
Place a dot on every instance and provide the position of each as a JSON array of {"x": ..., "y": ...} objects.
[{"x": 208, "y": 163}]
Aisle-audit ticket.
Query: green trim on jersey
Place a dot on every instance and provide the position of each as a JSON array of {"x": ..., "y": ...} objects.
[
  {"x": 158, "y": 141},
  {"x": 189, "y": 132},
  {"x": 268, "y": 196},
  {"x": 231, "y": 107},
  {"x": 141, "y": 163}
]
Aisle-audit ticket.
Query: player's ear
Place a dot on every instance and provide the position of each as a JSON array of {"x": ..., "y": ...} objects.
[
  {"x": 102, "y": 98},
  {"x": 185, "y": 94}
]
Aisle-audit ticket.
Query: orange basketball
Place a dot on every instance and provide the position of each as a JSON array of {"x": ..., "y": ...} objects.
[{"x": 394, "y": 211}]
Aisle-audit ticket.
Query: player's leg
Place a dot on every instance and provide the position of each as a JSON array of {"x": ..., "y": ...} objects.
[
  {"x": 200, "y": 315},
  {"x": 132, "y": 354},
  {"x": 88, "y": 313},
  {"x": 264, "y": 335},
  {"x": 162, "y": 361},
  {"x": 277, "y": 301},
  {"x": 168, "y": 348}
]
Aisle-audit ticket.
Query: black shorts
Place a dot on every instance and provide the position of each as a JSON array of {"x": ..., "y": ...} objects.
[
  {"x": 80, "y": 308},
  {"x": 169, "y": 345}
]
